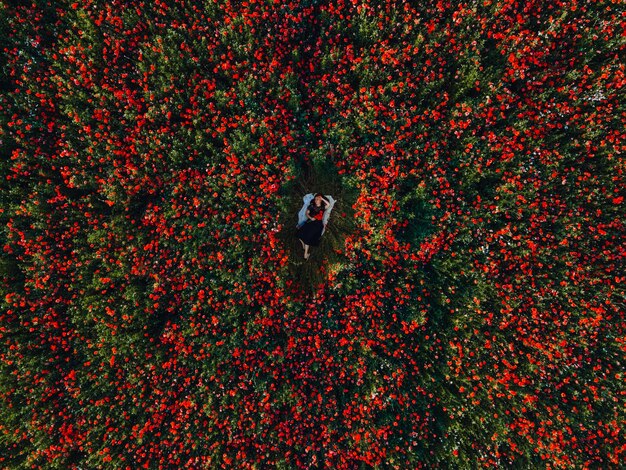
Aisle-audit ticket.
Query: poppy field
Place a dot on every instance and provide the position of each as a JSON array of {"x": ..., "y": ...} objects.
[{"x": 465, "y": 308}]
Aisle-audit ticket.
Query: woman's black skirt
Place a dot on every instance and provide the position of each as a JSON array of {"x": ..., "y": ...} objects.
[{"x": 311, "y": 232}]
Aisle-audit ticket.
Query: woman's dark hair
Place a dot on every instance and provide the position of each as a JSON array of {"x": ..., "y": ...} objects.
[
  {"x": 313, "y": 200},
  {"x": 312, "y": 205}
]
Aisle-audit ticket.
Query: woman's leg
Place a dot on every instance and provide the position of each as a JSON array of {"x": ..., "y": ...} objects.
[{"x": 306, "y": 251}]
